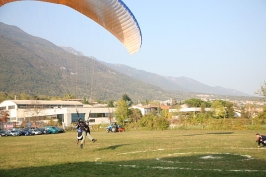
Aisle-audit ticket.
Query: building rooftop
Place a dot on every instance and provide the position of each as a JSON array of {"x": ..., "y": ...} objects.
[{"x": 46, "y": 102}]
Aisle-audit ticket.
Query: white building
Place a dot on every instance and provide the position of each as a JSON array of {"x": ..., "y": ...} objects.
[
  {"x": 185, "y": 110},
  {"x": 189, "y": 110},
  {"x": 64, "y": 111},
  {"x": 145, "y": 109}
]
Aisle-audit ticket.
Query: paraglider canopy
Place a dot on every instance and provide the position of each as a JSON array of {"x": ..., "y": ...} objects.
[{"x": 113, "y": 15}]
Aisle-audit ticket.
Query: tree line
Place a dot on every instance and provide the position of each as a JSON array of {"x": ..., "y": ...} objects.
[{"x": 220, "y": 116}]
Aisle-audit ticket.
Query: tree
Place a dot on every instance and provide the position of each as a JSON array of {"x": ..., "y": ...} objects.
[
  {"x": 202, "y": 107},
  {"x": 135, "y": 115},
  {"x": 68, "y": 96},
  {"x": 165, "y": 113},
  {"x": 11, "y": 96},
  {"x": 218, "y": 109},
  {"x": 202, "y": 119},
  {"x": 195, "y": 102},
  {"x": 110, "y": 104},
  {"x": 152, "y": 121},
  {"x": 225, "y": 109},
  {"x": 162, "y": 123},
  {"x": 127, "y": 100},
  {"x": 122, "y": 111},
  {"x": 148, "y": 121},
  {"x": 262, "y": 91},
  {"x": 85, "y": 100},
  {"x": 262, "y": 115},
  {"x": 3, "y": 96},
  {"x": 248, "y": 111},
  {"x": 4, "y": 116},
  {"x": 34, "y": 111},
  {"x": 24, "y": 96},
  {"x": 110, "y": 115},
  {"x": 145, "y": 102},
  {"x": 229, "y": 107}
]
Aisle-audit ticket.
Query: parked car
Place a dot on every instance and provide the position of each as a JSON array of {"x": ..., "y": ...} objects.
[
  {"x": 3, "y": 133},
  {"x": 26, "y": 132},
  {"x": 36, "y": 131},
  {"x": 14, "y": 129},
  {"x": 13, "y": 132},
  {"x": 44, "y": 130},
  {"x": 8, "y": 133},
  {"x": 52, "y": 129},
  {"x": 60, "y": 130}
]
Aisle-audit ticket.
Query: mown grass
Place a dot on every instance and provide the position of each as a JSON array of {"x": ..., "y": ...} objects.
[{"x": 135, "y": 153}]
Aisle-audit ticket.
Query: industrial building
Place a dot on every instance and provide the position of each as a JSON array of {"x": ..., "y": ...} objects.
[{"x": 66, "y": 112}]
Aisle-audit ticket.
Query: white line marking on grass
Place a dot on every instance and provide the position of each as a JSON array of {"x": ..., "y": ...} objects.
[
  {"x": 165, "y": 161},
  {"x": 210, "y": 157},
  {"x": 179, "y": 153},
  {"x": 248, "y": 170},
  {"x": 135, "y": 152},
  {"x": 247, "y": 156},
  {"x": 160, "y": 149},
  {"x": 133, "y": 166},
  {"x": 181, "y": 168},
  {"x": 190, "y": 153},
  {"x": 262, "y": 148},
  {"x": 168, "y": 161},
  {"x": 252, "y": 148},
  {"x": 196, "y": 169},
  {"x": 96, "y": 161}
]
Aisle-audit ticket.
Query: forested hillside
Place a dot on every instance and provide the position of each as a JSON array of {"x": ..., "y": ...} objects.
[{"x": 36, "y": 66}]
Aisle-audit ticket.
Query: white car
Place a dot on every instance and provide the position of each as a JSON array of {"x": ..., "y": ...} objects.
[
  {"x": 13, "y": 132},
  {"x": 36, "y": 132}
]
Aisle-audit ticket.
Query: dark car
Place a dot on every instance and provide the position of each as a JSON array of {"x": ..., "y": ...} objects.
[
  {"x": 44, "y": 130},
  {"x": 3, "y": 133},
  {"x": 26, "y": 132}
]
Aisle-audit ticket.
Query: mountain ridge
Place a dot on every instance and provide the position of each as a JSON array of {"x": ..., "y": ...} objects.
[
  {"x": 36, "y": 66},
  {"x": 182, "y": 83}
]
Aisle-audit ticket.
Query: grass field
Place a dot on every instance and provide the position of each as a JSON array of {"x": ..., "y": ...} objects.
[{"x": 135, "y": 153}]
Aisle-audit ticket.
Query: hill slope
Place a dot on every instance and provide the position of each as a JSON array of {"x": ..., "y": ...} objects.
[
  {"x": 183, "y": 84},
  {"x": 36, "y": 66}
]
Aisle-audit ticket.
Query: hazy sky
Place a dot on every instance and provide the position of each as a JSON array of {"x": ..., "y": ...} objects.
[{"x": 216, "y": 42}]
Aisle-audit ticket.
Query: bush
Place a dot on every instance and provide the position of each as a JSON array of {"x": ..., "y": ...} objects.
[
  {"x": 221, "y": 124},
  {"x": 162, "y": 123},
  {"x": 154, "y": 122}
]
